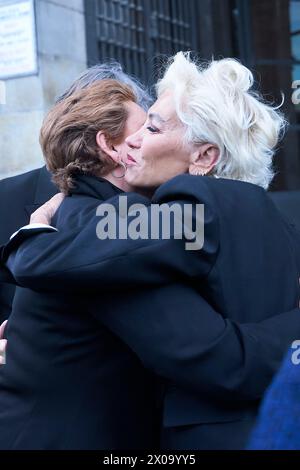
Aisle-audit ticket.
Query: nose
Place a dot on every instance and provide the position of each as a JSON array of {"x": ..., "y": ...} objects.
[{"x": 134, "y": 140}]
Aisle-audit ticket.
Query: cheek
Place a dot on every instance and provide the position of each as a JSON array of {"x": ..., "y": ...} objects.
[
  {"x": 134, "y": 176},
  {"x": 172, "y": 156},
  {"x": 152, "y": 146},
  {"x": 162, "y": 159},
  {"x": 173, "y": 163},
  {"x": 122, "y": 150}
]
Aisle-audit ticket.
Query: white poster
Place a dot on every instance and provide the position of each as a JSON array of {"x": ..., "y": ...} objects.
[{"x": 18, "y": 51}]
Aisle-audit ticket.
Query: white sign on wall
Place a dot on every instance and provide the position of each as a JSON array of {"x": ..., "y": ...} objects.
[{"x": 18, "y": 50}]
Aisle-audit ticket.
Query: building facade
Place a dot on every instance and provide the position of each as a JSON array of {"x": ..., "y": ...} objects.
[
  {"x": 61, "y": 56},
  {"x": 73, "y": 34}
]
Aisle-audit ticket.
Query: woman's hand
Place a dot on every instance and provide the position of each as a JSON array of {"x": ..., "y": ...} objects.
[
  {"x": 45, "y": 213},
  {"x": 3, "y": 343}
]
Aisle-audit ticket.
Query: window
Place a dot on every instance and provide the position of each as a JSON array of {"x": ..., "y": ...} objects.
[
  {"x": 136, "y": 32},
  {"x": 268, "y": 41},
  {"x": 295, "y": 50},
  {"x": 295, "y": 37}
]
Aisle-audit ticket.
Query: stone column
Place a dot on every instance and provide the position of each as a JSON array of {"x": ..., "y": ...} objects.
[{"x": 61, "y": 49}]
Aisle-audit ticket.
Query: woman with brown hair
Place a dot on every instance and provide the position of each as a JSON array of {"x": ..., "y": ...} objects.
[
  {"x": 85, "y": 134},
  {"x": 68, "y": 383},
  {"x": 218, "y": 365}
]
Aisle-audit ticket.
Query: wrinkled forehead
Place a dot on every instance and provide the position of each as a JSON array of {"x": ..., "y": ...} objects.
[
  {"x": 136, "y": 113},
  {"x": 135, "y": 119},
  {"x": 164, "y": 108}
]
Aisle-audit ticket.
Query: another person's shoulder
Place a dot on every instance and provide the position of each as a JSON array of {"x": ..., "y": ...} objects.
[
  {"x": 25, "y": 181},
  {"x": 20, "y": 196}
]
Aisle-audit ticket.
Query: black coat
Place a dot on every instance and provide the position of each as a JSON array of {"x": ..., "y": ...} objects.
[
  {"x": 68, "y": 382},
  {"x": 218, "y": 365},
  {"x": 19, "y": 197}
]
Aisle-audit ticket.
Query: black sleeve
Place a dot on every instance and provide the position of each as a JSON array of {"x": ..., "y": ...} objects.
[
  {"x": 78, "y": 258},
  {"x": 6, "y": 276},
  {"x": 180, "y": 337}
]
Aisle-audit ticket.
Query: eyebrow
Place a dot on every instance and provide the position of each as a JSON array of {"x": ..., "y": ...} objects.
[{"x": 157, "y": 117}]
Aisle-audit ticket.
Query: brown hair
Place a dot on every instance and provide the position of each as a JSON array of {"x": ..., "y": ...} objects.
[{"x": 68, "y": 133}]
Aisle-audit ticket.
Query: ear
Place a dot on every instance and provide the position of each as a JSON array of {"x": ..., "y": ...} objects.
[
  {"x": 203, "y": 159},
  {"x": 106, "y": 146}
]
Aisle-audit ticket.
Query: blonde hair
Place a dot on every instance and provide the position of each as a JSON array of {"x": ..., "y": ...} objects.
[
  {"x": 216, "y": 105},
  {"x": 68, "y": 133}
]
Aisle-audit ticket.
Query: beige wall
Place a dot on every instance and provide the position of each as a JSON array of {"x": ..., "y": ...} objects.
[{"x": 61, "y": 57}]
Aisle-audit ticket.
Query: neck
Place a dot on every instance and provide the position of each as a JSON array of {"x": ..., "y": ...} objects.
[
  {"x": 127, "y": 188},
  {"x": 147, "y": 192},
  {"x": 118, "y": 182}
]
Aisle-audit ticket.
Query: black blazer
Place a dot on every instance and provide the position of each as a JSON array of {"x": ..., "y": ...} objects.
[
  {"x": 68, "y": 382},
  {"x": 19, "y": 197},
  {"x": 288, "y": 202},
  {"x": 218, "y": 365}
]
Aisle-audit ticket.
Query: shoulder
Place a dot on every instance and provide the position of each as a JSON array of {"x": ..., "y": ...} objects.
[
  {"x": 232, "y": 187},
  {"x": 16, "y": 193},
  {"x": 223, "y": 199},
  {"x": 24, "y": 182},
  {"x": 206, "y": 189},
  {"x": 76, "y": 211},
  {"x": 183, "y": 187}
]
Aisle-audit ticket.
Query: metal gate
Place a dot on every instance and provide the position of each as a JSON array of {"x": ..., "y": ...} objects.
[{"x": 137, "y": 32}]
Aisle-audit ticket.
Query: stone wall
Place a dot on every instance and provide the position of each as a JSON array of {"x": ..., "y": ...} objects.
[{"x": 61, "y": 58}]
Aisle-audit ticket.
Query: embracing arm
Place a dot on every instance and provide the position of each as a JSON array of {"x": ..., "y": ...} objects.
[
  {"x": 179, "y": 336},
  {"x": 78, "y": 258}
]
